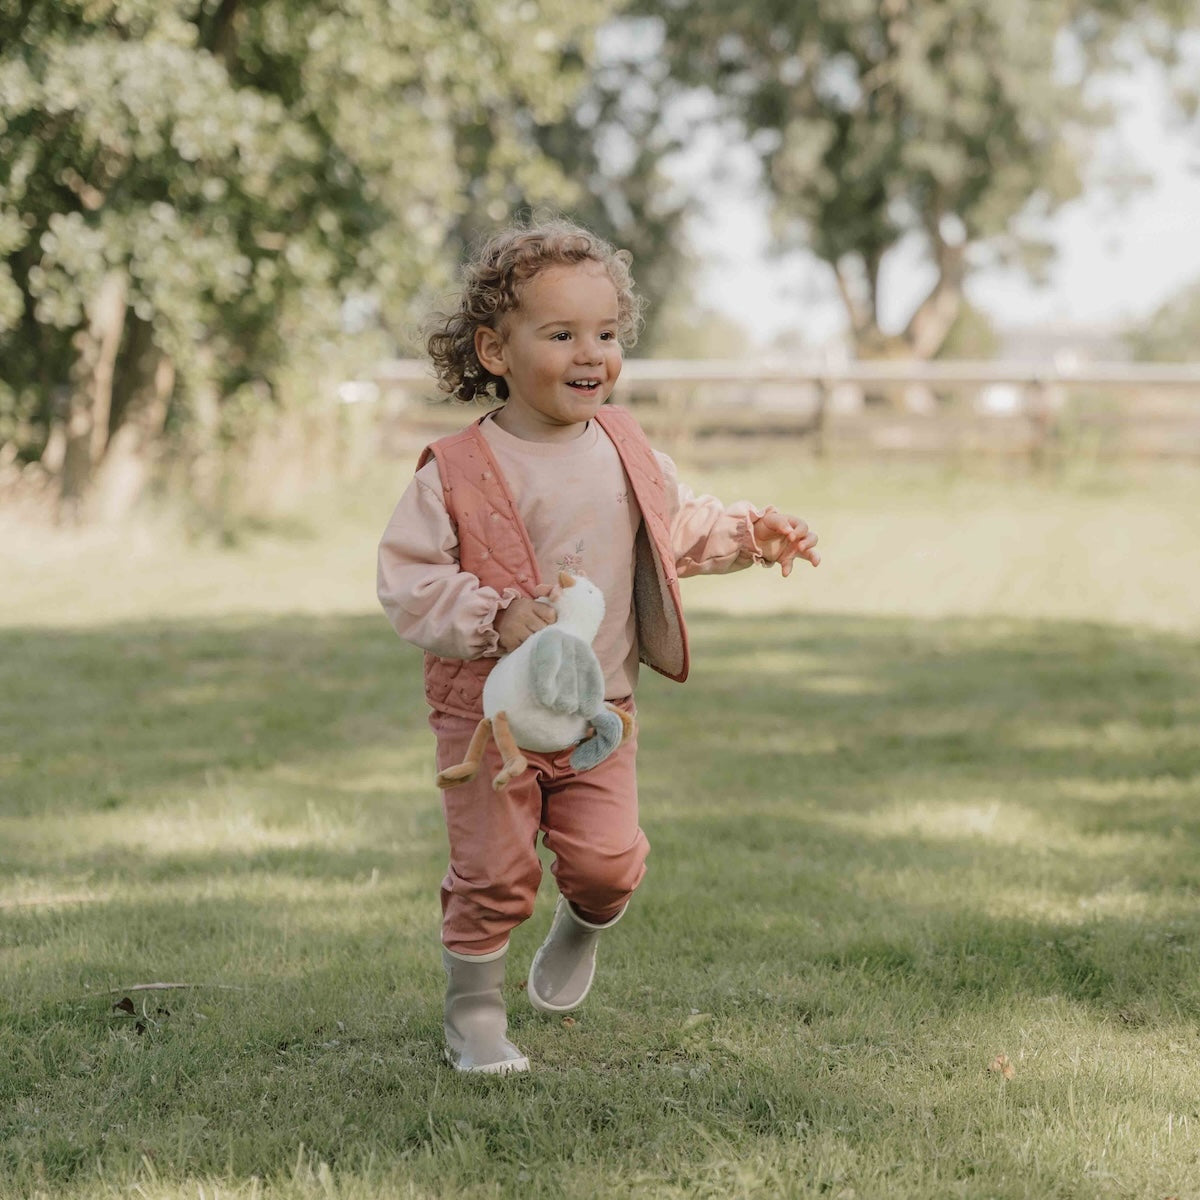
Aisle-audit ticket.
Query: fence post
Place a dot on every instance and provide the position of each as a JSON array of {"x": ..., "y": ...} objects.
[
  {"x": 819, "y": 414},
  {"x": 1041, "y": 420},
  {"x": 675, "y": 401}
]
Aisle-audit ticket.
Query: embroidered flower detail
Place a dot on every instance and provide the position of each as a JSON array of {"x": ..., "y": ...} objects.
[
  {"x": 572, "y": 562},
  {"x": 623, "y": 497}
]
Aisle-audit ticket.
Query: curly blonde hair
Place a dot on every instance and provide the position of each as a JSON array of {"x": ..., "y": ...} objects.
[{"x": 492, "y": 283}]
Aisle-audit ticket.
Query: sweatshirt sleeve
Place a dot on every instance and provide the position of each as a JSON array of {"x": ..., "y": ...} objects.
[
  {"x": 428, "y": 598},
  {"x": 708, "y": 536}
]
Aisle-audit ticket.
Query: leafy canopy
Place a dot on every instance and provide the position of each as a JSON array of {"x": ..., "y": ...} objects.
[
  {"x": 946, "y": 121},
  {"x": 247, "y": 166}
]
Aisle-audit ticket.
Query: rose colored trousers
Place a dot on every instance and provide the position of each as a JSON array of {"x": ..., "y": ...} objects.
[{"x": 588, "y": 820}]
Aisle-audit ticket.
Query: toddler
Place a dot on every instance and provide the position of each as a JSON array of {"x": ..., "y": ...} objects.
[{"x": 554, "y": 480}]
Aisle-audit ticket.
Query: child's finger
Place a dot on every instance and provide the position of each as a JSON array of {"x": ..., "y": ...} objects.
[
  {"x": 805, "y": 551},
  {"x": 774, "y": 523}
]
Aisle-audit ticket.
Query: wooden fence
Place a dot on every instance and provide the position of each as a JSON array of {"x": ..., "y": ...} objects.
[{"x": 735, "y": 409}]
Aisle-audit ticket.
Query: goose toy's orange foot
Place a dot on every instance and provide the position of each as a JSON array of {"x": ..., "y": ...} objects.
[
  {"x": 626, "y": 721},
  {"x": 626, "y": 724},
  {"x": 466, "y": 770},
  {"x": 514, "y": 761}
]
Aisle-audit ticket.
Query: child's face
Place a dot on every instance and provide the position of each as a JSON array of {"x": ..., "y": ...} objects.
[{"x": 557, "y": 351}]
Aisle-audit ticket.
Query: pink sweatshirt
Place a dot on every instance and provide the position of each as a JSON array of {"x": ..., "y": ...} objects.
[{"x": 576, "y": 503}]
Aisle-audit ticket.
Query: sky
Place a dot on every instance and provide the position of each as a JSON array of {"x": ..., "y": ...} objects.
[{"x": 1117, "y": 261}]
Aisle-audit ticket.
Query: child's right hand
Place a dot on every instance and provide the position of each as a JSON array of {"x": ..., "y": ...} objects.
[{"x": 521, "y": 619}]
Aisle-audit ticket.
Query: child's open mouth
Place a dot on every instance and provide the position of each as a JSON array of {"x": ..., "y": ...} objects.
[{"x": 584, "y": 385}]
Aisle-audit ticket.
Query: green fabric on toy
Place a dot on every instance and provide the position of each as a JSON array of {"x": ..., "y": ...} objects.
[{"x": 548, "y": 694}]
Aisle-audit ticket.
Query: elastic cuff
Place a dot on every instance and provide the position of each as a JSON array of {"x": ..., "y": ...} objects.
[
  {"x": 491, "y": 635},
  {"x": 749, "y": 541}
]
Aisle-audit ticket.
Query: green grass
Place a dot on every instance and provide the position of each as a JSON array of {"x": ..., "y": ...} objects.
[{"x": 901, "y": 825}]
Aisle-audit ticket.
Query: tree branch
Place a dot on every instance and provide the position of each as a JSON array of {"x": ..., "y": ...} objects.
[
  {"x": 934, "y": 317},
  {"x": 860, "y": 317},
  {"x": 217, "y": 38}
]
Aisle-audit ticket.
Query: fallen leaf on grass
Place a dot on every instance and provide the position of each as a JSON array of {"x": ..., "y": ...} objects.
[
  {"x": 569, "y": 1022},
  {"x": 1001, "y": 1065},
  {"x": 126, "y": 1007}
]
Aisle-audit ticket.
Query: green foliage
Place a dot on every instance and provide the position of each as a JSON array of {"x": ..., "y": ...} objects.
[
  {"x": 688, "y": 331},
  {"x": 972, "y": 335},
  {"x": 247, "y": 167},
  {"x": 1172, "y": 333},
  {"x": 613, "y": 143},
  {"x": 880, "y": 120},
  {"x": 610, "y": 151}
]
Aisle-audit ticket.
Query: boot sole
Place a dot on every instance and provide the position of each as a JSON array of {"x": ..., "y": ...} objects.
[{"x": 512, "y": 1066}]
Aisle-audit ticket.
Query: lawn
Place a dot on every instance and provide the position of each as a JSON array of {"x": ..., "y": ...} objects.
[{"x": 920, "y": 921}]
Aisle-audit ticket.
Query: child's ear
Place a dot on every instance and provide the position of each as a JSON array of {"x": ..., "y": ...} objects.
[{"x": 489, "y": 349}]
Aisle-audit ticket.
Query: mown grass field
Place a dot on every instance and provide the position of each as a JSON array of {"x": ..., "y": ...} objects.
[{"x": 933, "y": 804}]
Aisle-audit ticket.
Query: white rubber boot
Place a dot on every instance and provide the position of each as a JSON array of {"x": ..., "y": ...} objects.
[
  {"x": 561, "y": 973},
  {"x": 476, "y": 1022}
]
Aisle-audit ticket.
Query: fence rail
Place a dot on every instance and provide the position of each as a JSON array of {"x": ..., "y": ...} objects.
[{"x": 1013, "y": 407}]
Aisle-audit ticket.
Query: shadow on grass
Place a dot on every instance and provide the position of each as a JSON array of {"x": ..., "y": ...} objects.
[
  {"x": 106, "y": 716},
  {"x": 859, "y": 825}
]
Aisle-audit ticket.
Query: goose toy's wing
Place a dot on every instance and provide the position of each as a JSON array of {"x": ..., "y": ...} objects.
[{"x": 565, "y": 674}]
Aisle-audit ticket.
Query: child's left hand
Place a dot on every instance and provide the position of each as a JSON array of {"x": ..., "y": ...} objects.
[{"x": 783, "y": 538}]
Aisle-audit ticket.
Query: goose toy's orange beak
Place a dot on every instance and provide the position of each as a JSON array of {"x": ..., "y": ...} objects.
[{"x": 566, "y": 579}]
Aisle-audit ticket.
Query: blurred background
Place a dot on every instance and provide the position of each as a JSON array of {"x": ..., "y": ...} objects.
[{"x": 965, "y": 230}]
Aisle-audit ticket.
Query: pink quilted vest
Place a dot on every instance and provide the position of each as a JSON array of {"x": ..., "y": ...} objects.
[{"x": 494, "y": 546}]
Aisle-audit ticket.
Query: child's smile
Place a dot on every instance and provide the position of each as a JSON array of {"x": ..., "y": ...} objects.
[{"x": 558, "y": 352}]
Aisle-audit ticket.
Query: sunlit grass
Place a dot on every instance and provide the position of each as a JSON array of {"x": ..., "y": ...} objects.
[
  {"x": 900, "y": 826},
  {"x": 1110, "y": 543},
  {"x": 1115, "y": 543}
]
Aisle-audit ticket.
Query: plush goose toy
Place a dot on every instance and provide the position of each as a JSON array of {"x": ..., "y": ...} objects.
[{"x": 548, "y": 694}]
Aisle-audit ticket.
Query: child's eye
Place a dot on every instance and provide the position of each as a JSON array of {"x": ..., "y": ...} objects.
[
  {"x": 561, "y": 336},
  {"x": 608, "y": 336}
]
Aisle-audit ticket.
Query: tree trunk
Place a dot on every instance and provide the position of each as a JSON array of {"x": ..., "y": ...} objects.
[
  {"x": 930, "y": 325},
  {"x": 91, "y": 392},
  {"x": 122, "y": 476},
  {"x": 924, "y": 335}
]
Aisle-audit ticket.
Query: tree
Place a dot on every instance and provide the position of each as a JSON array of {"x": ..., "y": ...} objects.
[
  {"x": 950, "y": 123},
  {"x": 1172, "y": 332},
  {"x": 611, "y": 151},
  {"x": 189, "y": 190},
  {"x": 613, "y": 143}
]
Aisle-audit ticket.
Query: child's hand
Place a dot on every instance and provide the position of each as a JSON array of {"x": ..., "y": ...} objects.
[
  {"x": 522, "y": 618},
  {"x": 782, "y": 539}
]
